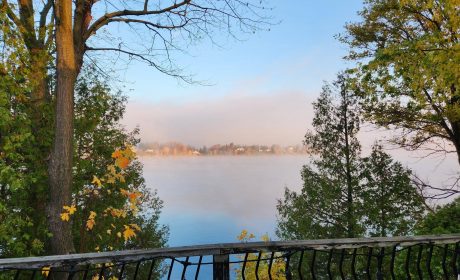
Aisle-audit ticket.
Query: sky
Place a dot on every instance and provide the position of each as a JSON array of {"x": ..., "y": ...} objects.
[{"x": 257, "y": 90}]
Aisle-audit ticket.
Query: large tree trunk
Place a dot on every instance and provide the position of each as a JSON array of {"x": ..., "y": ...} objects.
[{"x": 60, "y": 168}]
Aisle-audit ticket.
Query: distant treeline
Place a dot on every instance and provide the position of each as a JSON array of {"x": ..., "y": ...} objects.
[{"x": 179, "y": 149}]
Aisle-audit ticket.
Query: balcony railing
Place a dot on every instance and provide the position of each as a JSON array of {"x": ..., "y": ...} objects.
[{"x": 418, "y": 257}]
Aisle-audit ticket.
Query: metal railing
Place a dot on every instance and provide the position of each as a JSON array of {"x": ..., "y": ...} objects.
[{"x": 418, "y": 257}]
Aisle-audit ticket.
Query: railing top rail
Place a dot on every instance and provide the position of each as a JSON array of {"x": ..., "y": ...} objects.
[{"x": 223, "y": 248}]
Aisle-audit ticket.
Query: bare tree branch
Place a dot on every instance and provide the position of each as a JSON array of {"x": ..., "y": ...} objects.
[{"x": 145, "y": 58}]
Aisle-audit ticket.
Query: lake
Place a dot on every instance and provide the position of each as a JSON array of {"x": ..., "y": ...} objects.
[{"x": 210, "y": 199}]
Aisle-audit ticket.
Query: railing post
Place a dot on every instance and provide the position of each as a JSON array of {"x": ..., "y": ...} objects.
[{"x": 221, "y": 267}]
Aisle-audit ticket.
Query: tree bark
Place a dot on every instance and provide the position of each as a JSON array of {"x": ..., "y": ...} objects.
[
  {"x": 60, "y": 168},
  {"x": 350, "y": 210}
]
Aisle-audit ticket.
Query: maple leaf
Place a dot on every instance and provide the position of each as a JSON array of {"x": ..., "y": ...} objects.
[
  {"x": 90, "y": 224},
  {"x": 122, "y": 162},
  {"x": 96, "y": 181},
  {"x": 117, "y": 154},
  {"x": 129, "y": 153},
  {"x": 92, "y": 215},
  {"x": 65, "y": 216},
  {"x": 128, "y": 233},
  {"x": 133, "y": 197},
  {"x": 70, "y": 209}
]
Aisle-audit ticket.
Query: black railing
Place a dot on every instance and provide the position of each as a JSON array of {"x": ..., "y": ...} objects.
[{"x": 419, "y": 257}]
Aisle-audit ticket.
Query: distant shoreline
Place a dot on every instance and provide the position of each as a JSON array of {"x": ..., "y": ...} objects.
[
  {"x": 221, "y": 155},
  {"x": 179, "y": 149}
]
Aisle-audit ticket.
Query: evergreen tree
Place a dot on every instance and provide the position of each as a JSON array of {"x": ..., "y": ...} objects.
[
  {"x": 392, "y": 204},
  {"x": 344, "y": 194},
  {"x": 328, "y": 204}
]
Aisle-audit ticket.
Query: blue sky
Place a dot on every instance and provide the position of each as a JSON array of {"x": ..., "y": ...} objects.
[
  {"x": 283, "y": 68},
  {"x": 298, "y": 53}
]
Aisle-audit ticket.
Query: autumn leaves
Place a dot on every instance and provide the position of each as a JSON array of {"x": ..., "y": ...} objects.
[{"x": 108, "y": 183}]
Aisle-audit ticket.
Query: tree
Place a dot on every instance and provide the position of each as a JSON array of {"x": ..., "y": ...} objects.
[
  {"x": 443, "y": 221},
  {"x": 97, "y": 134},
  {"x": 71, "y": 29},
  {"x": 345, "y": 194},
  {"x": 392, "y": 202},
  {"x": 408, "y": 70},
  {"x": 328, "y": 205}
]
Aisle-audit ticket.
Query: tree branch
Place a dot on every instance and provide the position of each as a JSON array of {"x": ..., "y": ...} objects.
[
  {"x": 143, "y": 58},
  {"x": 105, "y": 18}
]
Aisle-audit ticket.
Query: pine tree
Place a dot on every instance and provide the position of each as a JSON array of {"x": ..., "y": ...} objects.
[
  {"x": 345, "y": 194},
  {"x": 328, "y": 205}
]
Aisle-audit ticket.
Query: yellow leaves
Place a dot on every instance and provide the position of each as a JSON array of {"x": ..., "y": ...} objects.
[
  {"x": 136, "y": 227},
  {"x": 277, "y": 271},
  {"x": 122, "y": 162},
  {"x": 123, "y": 157},
  {"x": 117, "y": 154},
  {"x": 91, "y": 222},
  {"x": 244, "y": 236},
  {"x": 128, "y": 233},
  {"x": 96, "y": 181},
  {"x": 92, "y": 215},
  {"x": 133, "y": 197},
  {"x": 265, "y": 237},
  {"x": 46, "y": 271},
  {"x": 68, "y": 211},
  {"x": 124, "y": 192},
  {"x": 105, "y": 184},
  {"x": 116, "y": 213},
  {"x": 65, "y": 217}
]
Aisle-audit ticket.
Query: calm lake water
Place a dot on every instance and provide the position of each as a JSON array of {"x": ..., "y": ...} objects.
[{"x": 211, "y": 199}]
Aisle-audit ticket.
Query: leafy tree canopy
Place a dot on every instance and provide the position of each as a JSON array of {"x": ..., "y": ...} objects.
[{"x": 408, "y": 70}]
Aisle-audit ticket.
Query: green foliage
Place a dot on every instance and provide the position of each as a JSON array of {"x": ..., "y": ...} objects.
[
  {"x": 327, "y": 205},
  {"x": 23, "y": 174},
  {"x": 23, "y": 151},
  {"x": 393, "y": 204},
  {"x": 97, "y": 135},
  {"x": 344, "y": 192},
  {"x": 408, "y": 70},
  {"x": 443, "y": 221}
]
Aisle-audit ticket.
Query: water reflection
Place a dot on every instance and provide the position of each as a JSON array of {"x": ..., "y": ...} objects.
[{"x": 211, "y": 199}]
